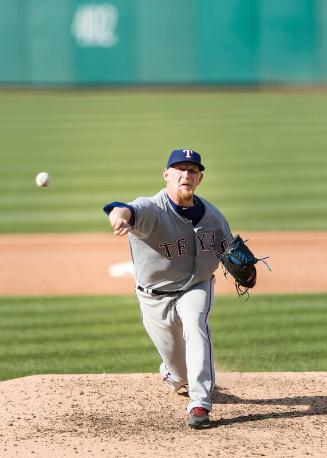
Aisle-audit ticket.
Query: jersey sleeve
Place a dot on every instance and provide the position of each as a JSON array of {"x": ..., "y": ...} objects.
[
  {"x": 223, "y": 231},
  {"x": 146, "y": 213},
  {"x": 226, "y": 230},
  {"x": 109, "y": 207}
]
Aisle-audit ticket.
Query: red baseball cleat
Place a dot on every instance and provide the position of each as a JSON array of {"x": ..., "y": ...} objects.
[{"x": 199, "y": 418}]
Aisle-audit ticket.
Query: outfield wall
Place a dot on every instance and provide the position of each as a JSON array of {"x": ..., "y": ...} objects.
[{"x": 156, "y": 41}]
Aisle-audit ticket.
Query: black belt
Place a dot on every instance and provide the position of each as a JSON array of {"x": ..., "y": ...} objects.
[{"x": 156, "y": 292}]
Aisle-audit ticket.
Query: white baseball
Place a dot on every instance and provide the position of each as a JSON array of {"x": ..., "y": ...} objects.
[{"x": 42, "y": 179}]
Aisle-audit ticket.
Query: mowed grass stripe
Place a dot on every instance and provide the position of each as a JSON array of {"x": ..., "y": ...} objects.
[
  {"x": 112, "y": 145},
  {"x": 105, "y": 334}
]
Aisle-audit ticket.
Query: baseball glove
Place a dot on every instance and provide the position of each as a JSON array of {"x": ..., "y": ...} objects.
[{"x": 239, "y": 261}]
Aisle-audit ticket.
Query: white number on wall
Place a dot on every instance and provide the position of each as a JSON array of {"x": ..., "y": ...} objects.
[{"x": 95, "y": 25}]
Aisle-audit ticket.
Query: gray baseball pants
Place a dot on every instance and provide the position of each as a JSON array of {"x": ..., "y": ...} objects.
[{"x": 178, "y": 327}]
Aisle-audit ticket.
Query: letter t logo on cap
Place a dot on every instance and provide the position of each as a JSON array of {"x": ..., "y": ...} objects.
[{"x": 188, "y": 152}]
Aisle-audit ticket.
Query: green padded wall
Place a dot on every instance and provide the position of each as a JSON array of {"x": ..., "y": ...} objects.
[{"x": 159, "y": 42}]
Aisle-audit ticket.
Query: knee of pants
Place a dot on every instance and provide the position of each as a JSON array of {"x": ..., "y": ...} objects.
[{"x": 197, "y": 326}]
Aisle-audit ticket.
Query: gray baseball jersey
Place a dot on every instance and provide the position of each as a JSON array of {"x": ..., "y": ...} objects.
[{"x": 170, "y": 254}]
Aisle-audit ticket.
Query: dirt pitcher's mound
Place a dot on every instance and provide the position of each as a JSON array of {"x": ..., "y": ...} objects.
[{"x": 258, "y": 414}]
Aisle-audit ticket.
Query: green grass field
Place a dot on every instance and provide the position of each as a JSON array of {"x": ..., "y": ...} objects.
[
  {"x": 266, "y": 161},
  {"x": 265, "y": 154},
  {"x": 105, "y": 334}
]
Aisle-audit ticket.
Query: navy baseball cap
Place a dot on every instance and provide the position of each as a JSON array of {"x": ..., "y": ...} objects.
[{"x": 184, "y": 155}]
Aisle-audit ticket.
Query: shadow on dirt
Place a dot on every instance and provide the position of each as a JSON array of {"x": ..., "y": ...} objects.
[{"x": 317, "y": 405}]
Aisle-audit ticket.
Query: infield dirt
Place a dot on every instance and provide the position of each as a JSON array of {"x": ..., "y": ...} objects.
[
  {"x": 64, "y": 264},
  {"x": 108, "y": 415}
]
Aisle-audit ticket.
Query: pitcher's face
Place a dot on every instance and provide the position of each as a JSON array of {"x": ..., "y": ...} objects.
[{"x": 182, "y": 180}]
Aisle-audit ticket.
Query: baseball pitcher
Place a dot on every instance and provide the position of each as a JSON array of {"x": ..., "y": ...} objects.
[{"x": 177, "y": 240}]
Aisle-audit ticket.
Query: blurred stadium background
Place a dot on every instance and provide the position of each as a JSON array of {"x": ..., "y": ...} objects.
[
  {"x": 99, "y": 92},
  {"x": 150, "y": 42}
]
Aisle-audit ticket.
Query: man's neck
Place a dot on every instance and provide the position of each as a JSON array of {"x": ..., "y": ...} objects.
[{"x": 178, "y": 200}]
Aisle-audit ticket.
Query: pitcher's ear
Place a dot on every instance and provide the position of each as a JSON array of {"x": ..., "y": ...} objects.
[{"x": 165, "y": 174}]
